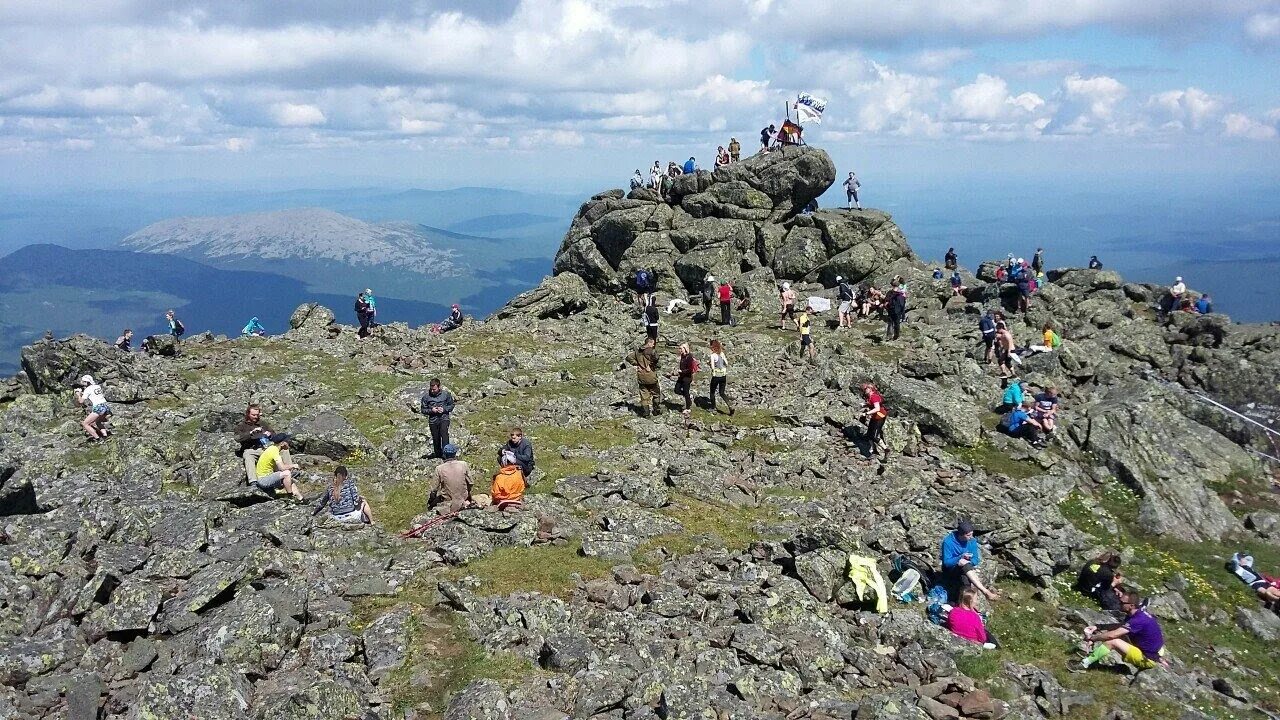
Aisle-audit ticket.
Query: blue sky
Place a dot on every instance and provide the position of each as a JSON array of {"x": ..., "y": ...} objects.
[{"x": 576, "y": 94}]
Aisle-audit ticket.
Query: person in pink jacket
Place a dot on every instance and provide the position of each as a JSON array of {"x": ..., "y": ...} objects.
[{"x": 964, "y": 620}]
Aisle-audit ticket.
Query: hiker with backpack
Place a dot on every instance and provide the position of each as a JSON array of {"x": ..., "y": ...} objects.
[
  {"x": 1138, "y": 639},
  {"x": 344, "y": 501},
  {"x": 844, "y": 293},
  {"x": 874, "y": 414},
  {"x": 987, "y": 327},
  {"x": 708, "y": 294},
  {"x": 725, "y": 293},
  {"x": 896, "y": 307},
  {"x": 965, "y": 621},
  {"x": 1100, "y": 579},
  {"x": 176, "y": 328},
  {"x": 686, "y": 368},
  {"x": 125, "y": 341},
  {"x": 364, "y": 314},
  {"x": 650, "y": 318},
  {"x": 91, "y": 395},
  {"x": 645, "y": 359},
  {"x": 644, "y": 286},
  {"x": 437, "y": 404},
  {"x": 961, "y": 557},
  {"x": 719, "y": 363}
]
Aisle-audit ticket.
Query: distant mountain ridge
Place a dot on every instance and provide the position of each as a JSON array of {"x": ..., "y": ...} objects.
[{"x": 302, "y": 233}]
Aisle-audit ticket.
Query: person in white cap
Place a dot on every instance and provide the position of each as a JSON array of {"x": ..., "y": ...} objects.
[
  {"x": 844, "y": 293},
  {"x": 90, "y": 395},
  {"x": 709, "y": 288},
  {"x": 1176, "y": 291},
  {"x": 788, "y": 306}
]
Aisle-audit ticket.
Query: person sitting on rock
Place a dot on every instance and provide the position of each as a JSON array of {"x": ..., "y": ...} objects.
[
  {"x": 454, "y": 321},
  {"x": 517, "y": 444},
  {"x": 957, "y": 283},
  {"x": 1014, "y": 393},
  {"x": 273, "y": 472},
  {"x": 645, "y": 359},
  {"x": 744, "y": 298},
  {"x": 125, "y": 341},
  {"x": 1020, "y": 424},
  {"x": 961, "y": 557},
  {"x": 1100, "y": 579},
  {"x": 507, "y": 490},
  {"x": 253, "y": 328},
  {"x": 690, "y": 166},
  {"x": 438, "y": 404},
  {"x": 1051, "y": 340},
  {"x": 1267, "y": 588},
  {"x": 951, "y": 261},
  {"x": 253, "y": 433},
  {"x": 1204, "y": 305},
  {"x": 343, "y": 500},
  {"x": 91, "y": 395},
  {"x": 1139, "y": 639},
  {"x": 1046, "y": 409},
  {"x": 1094, "y": 263},
  {"x": 871, "y": 300},
  {"x": 637, "y": 180},
  {"x": 722, "y": 157},
  {"x": 452, "y": 491},
  {"x": 965, "y": 621}
]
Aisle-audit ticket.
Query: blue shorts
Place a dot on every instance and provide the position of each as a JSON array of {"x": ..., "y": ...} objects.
[
  {"x": 100, "y": 409},
  {"x": 806, "y": 341}
]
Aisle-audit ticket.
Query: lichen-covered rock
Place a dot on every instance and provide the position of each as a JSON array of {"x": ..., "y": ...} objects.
[
  {"x": 558, "y": 296},
  {"x": 311, "y": 317},
  {"x": 328, "y": 433}
]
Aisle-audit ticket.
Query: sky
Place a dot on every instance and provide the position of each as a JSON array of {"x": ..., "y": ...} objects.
[{"x": 574, "y": 94}]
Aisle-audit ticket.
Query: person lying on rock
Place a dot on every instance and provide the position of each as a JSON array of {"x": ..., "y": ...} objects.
[
  {"x": 1268, "y": 588},
  {"x": 252, "y": 432},
  {"x": 1138, "y": 639},
  {"x": 344, "y": 501},
  {"x": 91, "y": 395},
  {"x": 453, "y": 483},
  {"x": 961, "y": 557},
  {"x": 273, "y": 472},
  {"x": 507, "y": 490},
  {"x": 1101, "y": 580},
  {"x": 517, "y": 444},
  {"x": 965, "y": 621}
]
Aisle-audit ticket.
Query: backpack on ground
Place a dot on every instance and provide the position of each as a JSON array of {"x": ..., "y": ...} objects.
[
  {"x": 937, "y": 609},
  {"x": 902, "y": 563}
]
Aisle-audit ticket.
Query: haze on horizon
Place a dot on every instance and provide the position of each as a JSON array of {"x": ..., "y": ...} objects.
[{"x": 575, "y": 95}]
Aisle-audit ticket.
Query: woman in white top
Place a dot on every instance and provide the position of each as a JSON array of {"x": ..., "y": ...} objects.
[
  {"x": 655, "y": 176},
  {"x": 719, "y": 375},
  {"x": 90, "y": 395}
]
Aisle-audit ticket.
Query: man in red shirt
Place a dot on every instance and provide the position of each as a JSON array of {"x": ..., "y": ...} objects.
[{"x": 726, "y": 302}]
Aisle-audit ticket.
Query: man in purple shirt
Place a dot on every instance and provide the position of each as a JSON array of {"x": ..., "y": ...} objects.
[{"x": 1138, "y": 639}]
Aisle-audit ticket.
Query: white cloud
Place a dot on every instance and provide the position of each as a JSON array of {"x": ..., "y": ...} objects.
[
  {"x": 1263, "y": 28},
  {"x": 238, "y": 144},
  {"x": 988, "y": 98},
  {"x": 1192, "y": 108},
  {"x": 932, "y": 61},
  {"x": 1101, "y": 94},
  {"x": 1243, "y": 126},
  {"x": 893, "y": 101},
  {"x": 296, "y": 115}
]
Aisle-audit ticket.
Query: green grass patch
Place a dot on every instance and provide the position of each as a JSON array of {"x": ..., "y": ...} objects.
[
  {"x": 759, "y": 445},
  {"x": 750, "y": 418},
  {"x": 546, "y": 569},
  {"x": 709, "y": 525},
  {"x": 398, "y": 503},
  {"x": 994, "y": 461}
]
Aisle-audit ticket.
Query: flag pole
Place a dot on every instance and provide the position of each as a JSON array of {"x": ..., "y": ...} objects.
[{"x": 786, "y": 108}]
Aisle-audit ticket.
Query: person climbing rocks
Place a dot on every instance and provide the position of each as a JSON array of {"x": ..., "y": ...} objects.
[
  {"x": 690, "y": 166},
  {"x": 253, "y": 433},
  {"x": 961, "y": 558},
  {"x": 708, "y": 295},
  {"x": 1094, "y": 263},
  {"x": 725, "y": 294},
  {"x": 508, "y": 486},
  {"x": 735, "y": 149},
  {"x": 644, "y": 283},
  {"x": 343, "y": 500},
  {"x": 851, "y": 185},
  {"x": 650, "y": 318},
  {"x": 454, "y": 321},
  {"x": 874, "y": 414},
  {"x": 1014, "y": 394},
  {"x": 1019, "y": 423},
  {"x": 273, "y": 471},
  {"x": 1100, "y": 580},
  {"x": 987, "y": 327},
  {"x": 1023, "y": 283},
  {"x": 125, "y": 341},
  {"x": 1204, "y": 305},
  {"x": 91, "y": 395},
  {"x": 806, "y": 334},
  {"x": 766, "y": 136},
  {"x": 896, "y": 306},
  {"x": 965, "y": 621},
  {"x": 1037, "y": 262},
  {"x": 1004, "y": 350},
  {"x": 722, "y": 157},
  {"x": 364, "y": 314},
  {"x": 437, "y": 404},
  {"x": 951, "y": 261},
  {"x": 645, "y": 358},
  {"x": 844, "y": 293},
  {"x": 719, "y": 363},
  {"x": 176, "y": 328},
  {"x": 788, "y": 299},
  {"x": 686, "y": 368},
  {"x": 452, "y": 490},
  {"x": 1139, "y": 639},
  {"x": 519, "y": 445}
]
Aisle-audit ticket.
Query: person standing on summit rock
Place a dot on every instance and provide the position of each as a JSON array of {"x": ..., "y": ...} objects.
[
  {"x": 766, "y": 135},
  {"x": 735, "y": 149},
  {"x": 176, "y": 328},
  {"x": 437, "y": 404},
  {"x": 851, "y": 185},
  {"x": 364, "y": 315}
]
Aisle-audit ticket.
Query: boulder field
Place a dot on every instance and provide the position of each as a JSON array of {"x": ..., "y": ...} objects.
[{"x": 659, "y": 569}]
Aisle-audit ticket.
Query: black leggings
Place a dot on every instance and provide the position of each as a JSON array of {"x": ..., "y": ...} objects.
[
  {"x": 682, "y": 389},
  {"x": 718, "y": 385},
  {"x": 875, "y": 430}
]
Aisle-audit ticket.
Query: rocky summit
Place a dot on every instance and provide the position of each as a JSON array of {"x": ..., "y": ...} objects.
[{"x": 660, "y": 568}]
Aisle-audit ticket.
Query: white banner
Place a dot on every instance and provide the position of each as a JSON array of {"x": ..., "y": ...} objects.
[{"x": 809, "y": 108}]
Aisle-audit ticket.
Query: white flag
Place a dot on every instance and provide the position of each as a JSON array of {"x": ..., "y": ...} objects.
[{"x": 809, "y": 108}]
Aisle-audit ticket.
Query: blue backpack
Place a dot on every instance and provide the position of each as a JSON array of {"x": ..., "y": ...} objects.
[
  {"x": 642, "y": 279},
  {"x": 936, "y": 598}
]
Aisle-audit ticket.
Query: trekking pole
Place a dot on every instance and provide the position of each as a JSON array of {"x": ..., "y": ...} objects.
[{"x": 429, "y": 525}]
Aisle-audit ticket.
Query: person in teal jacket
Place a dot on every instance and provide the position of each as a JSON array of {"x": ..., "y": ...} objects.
[
  {"x": 1013, "y": 395},
  {"x": 961, "y": 557}
]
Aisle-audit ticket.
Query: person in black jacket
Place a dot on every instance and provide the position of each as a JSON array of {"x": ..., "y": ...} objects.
[
  {"x": 897, "y": 311},
  {"x": 437, "y": 404},
  {"x": 253, "y": 433},
  {"x": 519, "y": 445},
  {"x": 364, "y": 313},
  {"x": 844, "y": 293}
]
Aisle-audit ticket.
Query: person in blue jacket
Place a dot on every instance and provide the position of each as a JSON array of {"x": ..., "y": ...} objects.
[
  {"x": 1204, "y": 305},
  {"x": 690, "y": 166},
  {"x": 960, "y": 560},
  {"x": 1014, "y": 392}
]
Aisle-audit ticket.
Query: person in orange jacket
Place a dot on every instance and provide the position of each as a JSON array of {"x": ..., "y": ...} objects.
[{"x": 508, "y": 485}]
